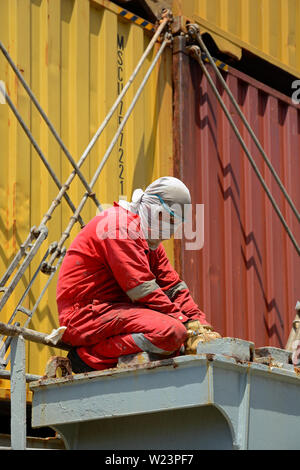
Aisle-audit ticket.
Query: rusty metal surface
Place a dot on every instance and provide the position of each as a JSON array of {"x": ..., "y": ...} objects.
[
  {"x": 84, "y": 408},
  {"x": 44, "y": 443},
  {"x": 246, "y": 277}
]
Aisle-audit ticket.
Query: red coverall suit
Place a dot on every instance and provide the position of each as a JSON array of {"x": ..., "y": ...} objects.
[{"x": 117, "y": 297}]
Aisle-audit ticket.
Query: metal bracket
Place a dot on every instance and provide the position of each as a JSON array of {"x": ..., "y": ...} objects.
[
  {"x": 179, "y": 25},
  {"x": 166, "y": 18},
  {"x": 47, "y": 267},
  {"x": 55, "y": 363},
  {"x": 193, "y": 30},
  {"x": 165, "y": 14},
  {"x": 195, "y": 52}
]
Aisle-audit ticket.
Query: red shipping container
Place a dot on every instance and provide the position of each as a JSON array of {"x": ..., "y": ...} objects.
[{"x": 246, "y": 277}]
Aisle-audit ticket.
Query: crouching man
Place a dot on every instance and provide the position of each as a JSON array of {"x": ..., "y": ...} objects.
[{"x": 117, "y": 292}]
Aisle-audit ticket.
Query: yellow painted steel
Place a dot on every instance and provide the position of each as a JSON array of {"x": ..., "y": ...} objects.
[
  {"x": 76, "y": 55},
  {"x": 267, "y": 28}
]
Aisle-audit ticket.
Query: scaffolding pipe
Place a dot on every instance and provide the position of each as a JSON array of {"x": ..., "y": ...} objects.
[
  {"x": 31, "y": 335},
  {"x": 38, "y": 150},
  {"x": 28, "y": 258},
  {"x": 20, "y": 308},
  {"x": 17, "y": 258},
  {"x": 49, "y": 124},
  {"x": 6, "y": 375}
]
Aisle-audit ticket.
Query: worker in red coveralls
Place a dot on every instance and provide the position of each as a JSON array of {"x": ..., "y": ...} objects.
[{"x": 117, "y": 292}]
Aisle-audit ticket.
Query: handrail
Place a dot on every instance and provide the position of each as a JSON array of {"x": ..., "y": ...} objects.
[
  {"x": 18, "y": 377},
  {"x": 31, "y": 335},
  {"x": 66, "y": 233}
]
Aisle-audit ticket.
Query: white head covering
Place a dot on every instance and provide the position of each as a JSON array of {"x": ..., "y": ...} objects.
[{"x": 168, "y": 196}]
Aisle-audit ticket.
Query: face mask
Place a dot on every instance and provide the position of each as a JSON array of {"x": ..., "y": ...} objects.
[
  {"x": 158, "y": 222},
  {"x": 162, "y": 230}
]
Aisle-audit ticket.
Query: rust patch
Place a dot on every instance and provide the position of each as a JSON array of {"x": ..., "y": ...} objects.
[
  {"x": 297, "y": 371},
  {"x": 238, "y": 360},
  {"x": 210, "y": 357}
]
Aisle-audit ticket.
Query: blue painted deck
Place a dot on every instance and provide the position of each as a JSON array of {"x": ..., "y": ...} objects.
[{"x": 189, "y": 402}]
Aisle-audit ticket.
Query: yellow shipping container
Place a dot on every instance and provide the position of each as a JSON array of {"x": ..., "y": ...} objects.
[
  {"x": 267, "y": 28},
  {"x": 76, "y": 55}
]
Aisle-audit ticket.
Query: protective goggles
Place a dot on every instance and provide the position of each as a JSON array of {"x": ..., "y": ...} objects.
[{"x": 165, "y": 206}]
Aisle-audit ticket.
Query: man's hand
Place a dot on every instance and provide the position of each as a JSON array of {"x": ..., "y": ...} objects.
[{"x": 198, "y": 333}]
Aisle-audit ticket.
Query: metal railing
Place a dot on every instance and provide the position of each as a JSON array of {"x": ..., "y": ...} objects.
[{"x": 18, "y": 377}]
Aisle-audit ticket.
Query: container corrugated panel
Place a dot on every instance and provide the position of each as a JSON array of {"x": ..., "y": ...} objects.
[
  {"x": 267, "y": 28},
  {"x": 76, "y": 55},
  {"x": 246, "y": 277}
]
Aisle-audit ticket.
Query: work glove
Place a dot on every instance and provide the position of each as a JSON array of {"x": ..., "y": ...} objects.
[{"x": 198, "y": 333}]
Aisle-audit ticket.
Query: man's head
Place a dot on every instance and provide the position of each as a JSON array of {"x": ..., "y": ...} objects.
[{"x": 161, "y": 208}]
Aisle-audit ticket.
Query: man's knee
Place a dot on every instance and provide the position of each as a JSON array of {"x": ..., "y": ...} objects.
[{"x": 174, "y": 334}]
